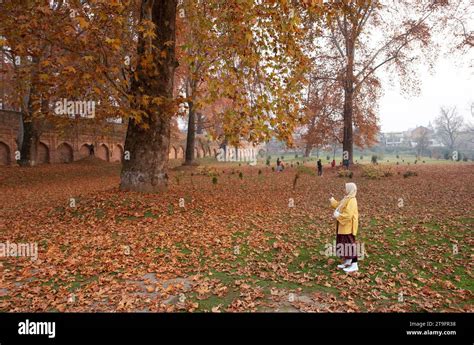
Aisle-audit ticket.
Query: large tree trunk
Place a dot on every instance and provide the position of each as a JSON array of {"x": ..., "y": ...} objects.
[
  {"x": 191, "y": 136},
  {"x": 31, "y": 134},
  {"x": 347, "y": 144},
  {"x": 307, "y": 150},
  {"x": 29, "y": 145},
  {"x": 146, "y": 170}
]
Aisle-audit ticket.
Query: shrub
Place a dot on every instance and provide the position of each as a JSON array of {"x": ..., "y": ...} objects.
[
  {"x": 241, "y": 176},
  {"x": 374, "y": 159},
  {"x": 376, "y": 172},
  {"x": 410, "y": 173},
  {"x": 207, "y": 171},
  {"x": 268, "y": 160},
  {"x": 345, "y": 173},
  {"x": 214, "y": 180},
  {"x": 387, "y": 172},
  {"x": 259, "y": 172},
  {"x": 328, "y": 158},
  {"x": 361, "y": 157}
]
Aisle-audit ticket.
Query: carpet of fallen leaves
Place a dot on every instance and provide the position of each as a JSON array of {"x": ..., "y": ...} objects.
[{"x": 223, "y": 238}]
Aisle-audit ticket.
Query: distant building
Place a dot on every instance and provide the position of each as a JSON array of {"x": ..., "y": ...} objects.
[
  {"x": 410, "y": 138},
  {"x": 394, "y": 139},
  {"x": 431, "y": 138}
]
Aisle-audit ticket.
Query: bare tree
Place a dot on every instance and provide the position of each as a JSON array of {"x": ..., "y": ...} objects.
[{"x": 448, "y": 126}]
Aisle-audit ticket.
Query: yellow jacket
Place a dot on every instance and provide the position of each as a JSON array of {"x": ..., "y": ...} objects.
[{"x": 348, "y": 221}]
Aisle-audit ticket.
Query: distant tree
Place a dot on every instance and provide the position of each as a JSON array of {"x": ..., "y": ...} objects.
[
  {"x": 448, "y": 126},
  {"x": 197, "y": 51},
  {"x": 359, "y": 53}
]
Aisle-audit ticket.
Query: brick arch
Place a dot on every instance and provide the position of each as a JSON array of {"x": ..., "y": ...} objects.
[
  {"x": 102, "y": 152},
  {"x": 84, "y": 150},
  {"x": 170, "y": 153},
  {"x": 174, "y": 152},
  {"x": 43, "y": 154},
  {"x": 180, "y": 154},
  {"x": 65, "y": 153},
  {"x": 4, "y": 154},
  {"x": 203, "y": 150},
  {"x": 117, "y": 153}
]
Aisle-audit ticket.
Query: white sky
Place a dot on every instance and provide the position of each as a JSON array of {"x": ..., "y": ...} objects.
[{"x": 451, "y": 84}]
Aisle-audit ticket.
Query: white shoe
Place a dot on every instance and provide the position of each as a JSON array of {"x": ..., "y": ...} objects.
[
  {"x": 352, "y": 268},
  {"x": 345, "y": 264}
]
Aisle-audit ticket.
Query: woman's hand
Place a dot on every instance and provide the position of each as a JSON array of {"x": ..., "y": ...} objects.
[{"x": 336, "y": 214}]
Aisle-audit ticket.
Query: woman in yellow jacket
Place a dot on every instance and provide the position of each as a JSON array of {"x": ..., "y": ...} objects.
[{"x": 347, "y": 224}]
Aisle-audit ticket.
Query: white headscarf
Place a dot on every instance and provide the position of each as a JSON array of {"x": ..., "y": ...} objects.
[{"x": 351, "y": 192}]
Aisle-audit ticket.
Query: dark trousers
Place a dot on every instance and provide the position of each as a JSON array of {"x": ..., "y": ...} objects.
[{"x": 348, "y": 243}]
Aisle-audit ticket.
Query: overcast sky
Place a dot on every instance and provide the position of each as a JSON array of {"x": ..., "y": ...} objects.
[{"x": 451, "y": 84}]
